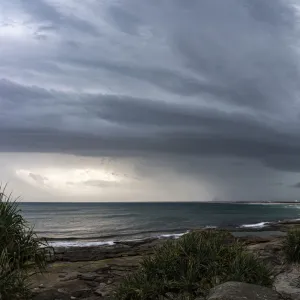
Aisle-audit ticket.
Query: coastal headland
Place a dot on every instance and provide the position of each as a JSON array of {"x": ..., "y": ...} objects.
[{"x": 95, "y": 272}]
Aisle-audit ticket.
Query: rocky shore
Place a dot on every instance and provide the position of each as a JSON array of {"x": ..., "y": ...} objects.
[{"x": 94, "y": 272}]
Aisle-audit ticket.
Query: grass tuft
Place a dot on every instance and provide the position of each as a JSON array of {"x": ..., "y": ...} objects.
[
  {"x": 291, "y": 246},
  {"x": 191, "y": 265},
  {"x": 21, "y": 252}
]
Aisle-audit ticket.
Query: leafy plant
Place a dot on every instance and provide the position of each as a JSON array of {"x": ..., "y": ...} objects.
[
  {"x": 193, "y": 264},
  {"x": 291, "y": 246},
  {"x": 21, "y": 252}
]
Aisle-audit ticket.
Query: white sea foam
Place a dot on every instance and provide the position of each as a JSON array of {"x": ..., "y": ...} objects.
[
  {"x": 172, "y": 235},
  {"x": 85, "y": 243},
  {"x": 256, "y": 225},
  {"x": 80, "y": 243}
]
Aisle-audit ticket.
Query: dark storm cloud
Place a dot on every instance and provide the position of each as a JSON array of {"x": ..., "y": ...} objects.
[
  {"x": 203, "y": 78},
  {"x": 165, "y": 79},
  {"x": 251, "y": 58},
  {"x": 296, "y": 185}
]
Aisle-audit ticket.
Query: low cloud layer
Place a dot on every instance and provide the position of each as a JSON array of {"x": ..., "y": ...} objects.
[{"x": 172, "y": 83}]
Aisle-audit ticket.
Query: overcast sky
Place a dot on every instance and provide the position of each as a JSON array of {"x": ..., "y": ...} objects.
[{"x": 162, "y": 100}]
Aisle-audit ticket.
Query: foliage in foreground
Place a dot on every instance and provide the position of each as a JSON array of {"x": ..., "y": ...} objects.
[
  {"x": 291, "y": 246},
  {"x": 21, "y": 253},
  {"x": 192, "y": 265}
]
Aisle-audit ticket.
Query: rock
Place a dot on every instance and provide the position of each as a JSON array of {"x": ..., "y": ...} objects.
[
  {"x": 41, "y": 286},
  {"x": 288, "y": 283},
  {"x": 253, "y": 239},
  {"x": 238, "y": 290},
  {"x": 87, "y": 276},
  {"x": 98, "y": 292},
  {"x": 92, "y": 284},
  {"x": 82, "y": 293},
  {"x": 271, "y": 253},
  {"x": 51, "y": 295},
  {"x": 69, "y": 277},
  {"x": 62, "y": 291},
  {"x": 103, "y": 290},
  {"x": 102, "y": 285}
]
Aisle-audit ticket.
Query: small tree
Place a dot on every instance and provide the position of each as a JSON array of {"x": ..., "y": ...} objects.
[{"x": 21, "y": 252}]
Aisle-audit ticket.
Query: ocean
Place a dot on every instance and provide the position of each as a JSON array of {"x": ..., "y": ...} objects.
[{"x": 89, "y": 224}]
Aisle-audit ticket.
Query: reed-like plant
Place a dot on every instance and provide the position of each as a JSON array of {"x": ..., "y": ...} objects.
[
  {"x": 291, "y": 246},
  {"x": 22, "y": 253}
]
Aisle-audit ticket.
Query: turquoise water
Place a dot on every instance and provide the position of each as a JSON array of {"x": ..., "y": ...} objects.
[{"x": 78, "y": 224}]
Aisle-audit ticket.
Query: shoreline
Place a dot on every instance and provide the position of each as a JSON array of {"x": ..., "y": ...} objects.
[
  {"x": 261, "y": 229},
  {"x": 95, "y": 272}
]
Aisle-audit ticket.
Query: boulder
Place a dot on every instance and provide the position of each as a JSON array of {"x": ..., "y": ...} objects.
[
  {"x": 288, "y": 283},
  {"x": 242, "y": 291}
]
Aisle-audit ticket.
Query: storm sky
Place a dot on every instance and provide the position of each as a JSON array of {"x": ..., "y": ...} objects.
[{"x": 162, "y": 100}]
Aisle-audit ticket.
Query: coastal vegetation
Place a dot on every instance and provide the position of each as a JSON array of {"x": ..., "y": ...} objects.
[
  {"x": 291, "y": 246},
  {"x": 21, "y": 252},
  {"x": 193, "y": 264}
]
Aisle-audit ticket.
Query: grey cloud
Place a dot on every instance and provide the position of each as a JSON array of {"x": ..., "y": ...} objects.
[
  {"x": 259, "y": 67},
  {"x": 163, "y": 127},
  {"x": 38, "y": 178},
  {"x": 212, "y": 78},
  {"x": 163, "y": 78},
  {"x": 124, "y": 20},
  {"x": 296, "y": 185},
  {"x": 277, "y": 15},
  {"x": 288, "y": 161},
  {"x": 98, "y": 183},
  {"x": 44, "y": 12}
]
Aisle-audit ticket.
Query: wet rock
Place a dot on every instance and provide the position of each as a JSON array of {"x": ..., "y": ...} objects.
[{"x": 238, "y": 290}]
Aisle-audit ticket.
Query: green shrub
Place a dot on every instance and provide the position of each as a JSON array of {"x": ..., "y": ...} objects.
[
  {"x": 192, "y": 265},
  {"x": 21, "y": 252},
  {"x": 291, "y": 246}
]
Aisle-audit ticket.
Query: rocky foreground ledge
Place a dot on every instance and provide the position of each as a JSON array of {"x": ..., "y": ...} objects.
[{"x": 94, "y": 272}]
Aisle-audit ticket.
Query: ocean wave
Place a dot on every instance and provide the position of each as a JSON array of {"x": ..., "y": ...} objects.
[
  {"x": 174, "y": 235},
  {"x": 155, "y": 233},
  {"x": 80, "y": 243},
  {"x": 255, "y": 225},
  {"x": 92, "y": 243}
]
